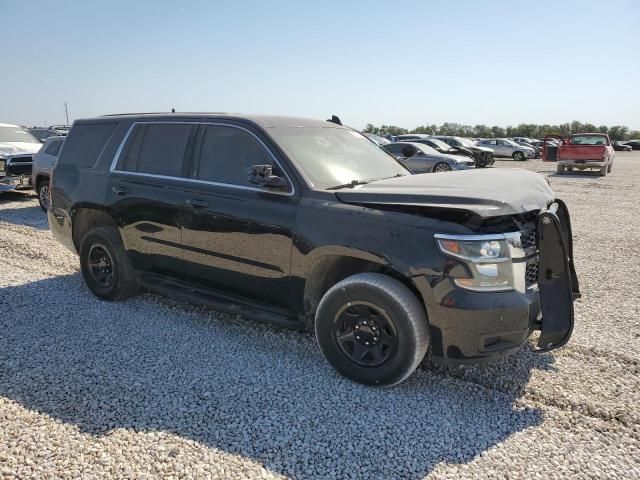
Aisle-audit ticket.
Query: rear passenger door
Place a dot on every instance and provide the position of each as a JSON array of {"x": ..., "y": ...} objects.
[
  {"x": 237, "y": 237},
  {"x": 145, "y": 194}
]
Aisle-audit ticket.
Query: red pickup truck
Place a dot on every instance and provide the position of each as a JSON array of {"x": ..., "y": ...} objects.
[{"x": 579, "y": 151}]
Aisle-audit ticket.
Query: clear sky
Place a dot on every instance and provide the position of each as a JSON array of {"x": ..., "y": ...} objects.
[{"x": 394, "y": 62}]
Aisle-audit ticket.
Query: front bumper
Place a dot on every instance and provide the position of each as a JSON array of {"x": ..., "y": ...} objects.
[
  {"x": 463, "y": 166},
  {"x": 14, "y": 182},
  {"x": 470, "y": 327}
]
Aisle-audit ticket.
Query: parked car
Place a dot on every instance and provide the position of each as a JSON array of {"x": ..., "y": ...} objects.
[
  {"x": 436, "y": 144},
  {"x": 582, "y": 151},
  {"x": 308, "y": 223},
  {"x": 483, "y": 155},
  {"x": 619, "y": 146},
  {"x": 43, "y": 133},
  {"x": 634, "y": 144},
  {"x": 503, "y": 147},
  {"x": 537, "y": 147},
  {"x": 43, "y": 163},
  {"x": 17, "y": 147},
  {"x": 420, "y": 158},
  {"x": 377, "y": 139}
]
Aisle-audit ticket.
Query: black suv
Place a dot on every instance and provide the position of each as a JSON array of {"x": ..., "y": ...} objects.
[{"x": 307, "y": 223}]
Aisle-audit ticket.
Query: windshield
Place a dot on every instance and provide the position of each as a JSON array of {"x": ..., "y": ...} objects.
[
  {"x": 440, "y": 144},
  {"x": 465, "y": 142},
  {"x": 428, "y": 150},
  {"x": 588, "y": 140},
  {"x": 334, "y": 156},
  {"x": 16, "y": 134}
]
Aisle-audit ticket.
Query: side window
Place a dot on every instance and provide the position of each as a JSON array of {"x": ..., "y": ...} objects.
[
  {"x": 85, "y": 143},
  {"x": 394, "y": 149},
  {"x": 54, "y": 148},
  {"x": 157, "y": 149},
  {"x": 227, "y": 154}
]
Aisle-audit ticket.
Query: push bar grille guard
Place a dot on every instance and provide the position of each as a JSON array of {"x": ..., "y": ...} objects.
[{"x": 557, "y": 279}]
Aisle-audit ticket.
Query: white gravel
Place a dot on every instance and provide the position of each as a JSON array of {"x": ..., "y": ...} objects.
[{"x": 153, "y": 388}]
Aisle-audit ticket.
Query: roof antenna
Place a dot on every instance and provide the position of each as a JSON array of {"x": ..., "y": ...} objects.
[
  {"x": 335, "y": 119},
  {"x": 173, "y": 110}
]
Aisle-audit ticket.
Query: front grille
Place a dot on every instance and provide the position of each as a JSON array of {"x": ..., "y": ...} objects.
[
  {"x": 19, "y": 165},
  {"x": 531, "y": 275},
  {"x": 528, "y": 238}
]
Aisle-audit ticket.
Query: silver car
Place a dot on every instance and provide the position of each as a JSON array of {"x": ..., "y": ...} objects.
[
  {"x": 43, "y": 163},
  {"x": 503, "y": 147},
  {"x": 420, "y": 158}
]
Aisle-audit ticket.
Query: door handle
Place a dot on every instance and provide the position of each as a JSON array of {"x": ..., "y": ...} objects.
[
  {"x": 118, "y": 190},
  {"x": 195, "y": 203}
]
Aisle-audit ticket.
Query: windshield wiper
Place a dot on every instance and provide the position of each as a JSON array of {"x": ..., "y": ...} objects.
[{"x": 351, "y": 184}]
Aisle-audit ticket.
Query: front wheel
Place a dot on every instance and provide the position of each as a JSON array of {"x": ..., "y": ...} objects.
[
  {"x": 105, "y": 266},
  {"x": 518, "y": 156},
  {"x": 441, "y": 167},
  {"x": 372, "y": 329}
]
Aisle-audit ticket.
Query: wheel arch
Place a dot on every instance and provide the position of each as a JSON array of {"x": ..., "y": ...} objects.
[
  {"x": 87, "y": 218},
  {"x": 330, "y": 268}
]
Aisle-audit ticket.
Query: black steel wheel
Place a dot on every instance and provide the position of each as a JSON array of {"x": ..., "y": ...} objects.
[
  {"x": 365, "y": 334},
  {"x": 372, "y": 329},
  {"x": 101, "y": 265},
  {"x": 105, "y": 266},
  {"x": 441, "y": 167}
]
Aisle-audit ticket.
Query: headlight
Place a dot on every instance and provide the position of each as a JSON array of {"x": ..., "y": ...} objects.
[{"x": 487, "y": 257}]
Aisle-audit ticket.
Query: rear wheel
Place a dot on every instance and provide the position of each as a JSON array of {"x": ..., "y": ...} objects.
[
  {"x": 105, "y": 266},
  {"x": 603, "y": 171},
  {"x": 43, "y": 194},
  {"x": 372, "y": 329},
  {"x": 610, "y": 167},
  {"x": 559, "y": 169},
  {"x": 518, "y": 156},
  {"x": 441, "y": 167}
]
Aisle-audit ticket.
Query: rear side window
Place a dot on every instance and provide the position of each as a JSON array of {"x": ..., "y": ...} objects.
[
  {"x": 53, "y": 148},
  {"x": 85, "y": 143},
  {"x": 227, "y": 154},
  {"x": 157, "y": 149}
]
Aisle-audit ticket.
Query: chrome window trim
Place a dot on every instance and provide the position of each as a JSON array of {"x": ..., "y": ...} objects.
[{"x": 116, "y": 159}]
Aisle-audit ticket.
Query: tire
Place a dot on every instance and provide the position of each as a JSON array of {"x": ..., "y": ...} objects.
[
  {"x": 518, "y": 156},
  {"x": 42, "y": 190},
  {"x": 559, "y": 169},
  {"x": 383, "y": 311},
  {"x": 610, "y": 167},
  {"x": 603, "y": 171},
  {"x": 441, "y": 167},
  {"x": 111, "y": 276}
]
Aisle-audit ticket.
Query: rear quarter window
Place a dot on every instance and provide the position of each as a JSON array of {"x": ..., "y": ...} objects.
[{"x": 85, "y": 143}]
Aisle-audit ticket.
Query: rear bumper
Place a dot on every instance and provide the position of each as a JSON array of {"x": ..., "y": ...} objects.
[
  {"x": 60, "y": 226},
  {"x": 582, "y": 163}
]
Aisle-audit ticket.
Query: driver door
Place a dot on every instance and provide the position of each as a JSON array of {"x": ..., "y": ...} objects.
[{"x": 237, "y": 237}]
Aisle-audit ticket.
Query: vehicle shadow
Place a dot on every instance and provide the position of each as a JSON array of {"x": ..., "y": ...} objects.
[
  {"x": 30, "y": 216},
  {"x": 244, "y": 388},
  {"x": 584, "y": 175}
]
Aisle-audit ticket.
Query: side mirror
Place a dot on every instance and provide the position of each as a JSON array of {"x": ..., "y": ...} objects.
[{"x": 262, "y": 175}]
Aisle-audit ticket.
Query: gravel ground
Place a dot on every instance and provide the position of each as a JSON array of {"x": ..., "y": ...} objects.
[{"x": 151, "y": 388}]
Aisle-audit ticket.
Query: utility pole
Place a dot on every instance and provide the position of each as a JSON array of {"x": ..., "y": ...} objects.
[{"x": 66, "y": 112}]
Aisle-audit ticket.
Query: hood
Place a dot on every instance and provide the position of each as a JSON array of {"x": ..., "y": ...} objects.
[
  {"x": 16, "y": 148},
  {"x": 487, "y": 193}
]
